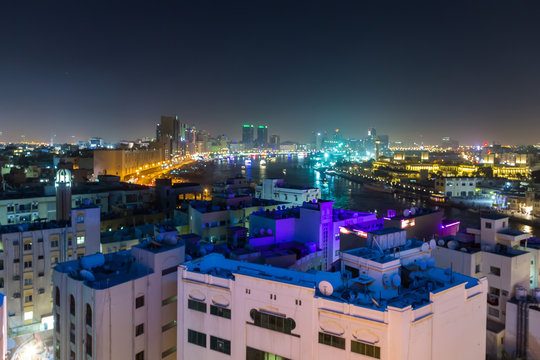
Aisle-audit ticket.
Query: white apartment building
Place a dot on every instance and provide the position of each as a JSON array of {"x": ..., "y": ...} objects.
[
  {"x": 276, "y": 189},
  {"x": 24, "y": 207},
  {"x": 29, "y": 252},
  {"x": 119, "y": 306},
  {"x": 395, "y": 305},
  {"x": 494, "y": 251},
  {"x": 456, "y": 186},
  {"x": 314, "y": 222}
]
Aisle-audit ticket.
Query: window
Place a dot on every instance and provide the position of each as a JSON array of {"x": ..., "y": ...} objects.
[
  {"x": 88, "y": 344},
  {"x": 72, "y": 333},
  {"x": 298, "y": 302},
  {"x": 168, "y": 326},
  {"x": 220, "y": 311},
  {"x": 140, "y": 355},
  {"x": 169, "y": 270},
  {"x": 493, "y": 312},
  {"x": 57, "y": 322},
  {"x": 495, "y": 271},
  {"x": 168, "y": 352},
  {"x": 332, "y": 340},
  {"x": 28, "y": 281},
  {"x": 57, "y": 296},
  {"x": 54, "y": 243},
  {"x": 28, "y": 299},
  {"x": 80, "y": 239},
  {"x": 169, "y": 300},
  {"x": 477, "y": 268},
  {"x": 494, "y": 291},
  {"x": 139, "y": 329},
  {"x": 197, "y": 338},
  {"x": 28, "y": 315},
  {"x": 71, "y": 305},
  {"x": 88, "y": 315},
  {"x": 248, "y": 291},
  {"x": 272, "y": 322},
  {"x": 366, "y": 349},
  {"x": 28, "y": 264},
  {"x": 254, "y": 354},
  {"x": 1, "y": 282},
  {"x": 197, "y": 305},
  {"x": 488, "y": 225},
  {"x": 139, "y": 301},
  {"x": 221, "y": 345},
  {"x": 28, "y": 246},
  {"x": 80, "y": 219}
]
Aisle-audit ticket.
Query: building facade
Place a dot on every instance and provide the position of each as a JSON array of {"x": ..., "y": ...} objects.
[
  {"x": 231, "y": 309},
  {"x": 29, "y": 253},
  {"x": 119, "y": 306},
  {"x": 276, "y": 189}
]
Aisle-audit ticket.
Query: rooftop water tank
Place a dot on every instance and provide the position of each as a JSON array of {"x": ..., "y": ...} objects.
[
  {"x": 521, "y": 292},
  {"x": 87, "y": 275}
]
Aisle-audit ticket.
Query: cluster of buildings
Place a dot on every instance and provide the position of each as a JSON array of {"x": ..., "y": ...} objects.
[{"x": 111, "y": 270}]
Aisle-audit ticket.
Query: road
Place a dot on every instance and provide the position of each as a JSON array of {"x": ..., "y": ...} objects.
[{"x": 148, "y": 177}]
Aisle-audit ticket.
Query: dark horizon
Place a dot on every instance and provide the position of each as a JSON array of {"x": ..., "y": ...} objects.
[{"x": 415, "y": 71}]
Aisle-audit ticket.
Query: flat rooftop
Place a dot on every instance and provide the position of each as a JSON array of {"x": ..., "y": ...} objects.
[
  {"x": 208, "y": 206},
  {"x": 512, "y": 232},
  {"x": 33, "y": 226},
  {"x": 386, "y": 231},
  {"x": 493, "y": 216},
  {"x": 118, "y": 269},
  {"x": 353, "y": 291}
]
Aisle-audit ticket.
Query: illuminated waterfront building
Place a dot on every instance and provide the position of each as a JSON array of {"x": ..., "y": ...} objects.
[
  {"x": 248, "y": 136},
  {"x": 277, "y": 189}
]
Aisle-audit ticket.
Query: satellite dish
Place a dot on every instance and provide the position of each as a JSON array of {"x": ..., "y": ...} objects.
[
  {"x": 326, "y": 288},
  {"x": 413, "y": 211},
  {"x": 425, "y": 247},
  {"x": 432, "y": 244},
  {"x": 406, "y": 212}
]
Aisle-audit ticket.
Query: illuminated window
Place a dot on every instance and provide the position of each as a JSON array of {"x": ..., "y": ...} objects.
[
  {"x": 80, "y": 239},
  {"x": 28, "y": 315}
]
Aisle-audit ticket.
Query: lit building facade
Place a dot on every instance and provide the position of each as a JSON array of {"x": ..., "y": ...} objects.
[
  {"x": 493, "y": 251},
  {"x": 456, "y": 187},
  {"x": 237, "y": 310},
  {"x": 119, "y": 306},
  {"x": 29, "y": 253},
  {"x": 276, "y": 189}
]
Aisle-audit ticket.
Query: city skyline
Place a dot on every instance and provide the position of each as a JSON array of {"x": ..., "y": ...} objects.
[{"x": 419, "y": 72}]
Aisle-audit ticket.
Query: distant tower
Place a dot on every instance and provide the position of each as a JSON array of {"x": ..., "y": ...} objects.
[
  {"x": 63, "y": 194},
  {"x": 377, "y": 148}
]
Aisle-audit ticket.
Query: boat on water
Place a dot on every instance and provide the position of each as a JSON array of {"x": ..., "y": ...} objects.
[
  {"x": 284, "y": 171},
  {"x": 263, "y": 162},
  {"x": 378, "y": 187}
]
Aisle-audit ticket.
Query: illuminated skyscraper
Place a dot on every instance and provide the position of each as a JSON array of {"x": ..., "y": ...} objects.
[
  {"x": 248, "y": 134},
  {"x": 262, "y": 136}
]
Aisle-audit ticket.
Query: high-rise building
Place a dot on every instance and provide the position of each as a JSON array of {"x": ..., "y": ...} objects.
[
  {"x": 30, "y": 251},
  {"x": 372, "y": 133},
  {"x": 248, "y": 136},
  {"x": 170, "y": 135},
  {"x": 449, "y": 143},
  {"x": 274, "y": 142},
  {"x": 119, "y": 306},
  {"x": 262, "y": 136}
]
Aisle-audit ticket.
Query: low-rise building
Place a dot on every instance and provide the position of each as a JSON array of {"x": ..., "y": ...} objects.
[
  {"x": 456, "y": 187},
  {"x": 277, "y": 189}
]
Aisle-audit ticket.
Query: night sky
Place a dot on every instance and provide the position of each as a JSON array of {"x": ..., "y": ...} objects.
[{"x": 414, "y": 70}]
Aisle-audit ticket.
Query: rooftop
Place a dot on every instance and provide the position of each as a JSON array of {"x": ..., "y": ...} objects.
[
  {"x": 208, "y": 206},
  {"x": 493, "y": 216},
  {"x": 117, "y": 269},
  {"x": 512, "y": 232},
  {"x": 386, "y": 231},
  {"x": 33, "y": 226},
  {"x": 354, "y": 291}
]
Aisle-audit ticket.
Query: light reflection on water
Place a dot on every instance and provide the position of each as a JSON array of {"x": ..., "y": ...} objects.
[{"x": 344, "y": 193}]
